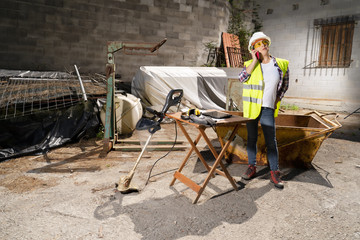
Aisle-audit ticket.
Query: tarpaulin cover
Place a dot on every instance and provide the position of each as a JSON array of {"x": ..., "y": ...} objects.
[
  {"x": 204, "y": 87},
  {"x": 38, "y": 132}
]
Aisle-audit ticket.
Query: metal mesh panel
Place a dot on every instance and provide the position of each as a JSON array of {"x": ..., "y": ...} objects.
[{"x": 20, "y": 96}]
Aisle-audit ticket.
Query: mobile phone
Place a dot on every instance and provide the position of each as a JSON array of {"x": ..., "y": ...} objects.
[{"x": 257, "y": 54}]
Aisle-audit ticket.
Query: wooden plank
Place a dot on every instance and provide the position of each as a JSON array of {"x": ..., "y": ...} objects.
[
  {"x": 149, "y": 148},
  {"x": 342, "y": 46},
  {"x": 229, "y": 40},
  {"x": 152, "y": 142},
  {"x": 186, "y": 157},
  {"x": 220, "y": 172},
  {"x": 235, "y": 57},
  {"x": 187, "y": 181},
  {"x": 349, "y": 40}
]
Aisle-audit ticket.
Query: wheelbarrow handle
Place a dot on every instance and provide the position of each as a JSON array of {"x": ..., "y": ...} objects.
[{"x": 335, "y": 123}]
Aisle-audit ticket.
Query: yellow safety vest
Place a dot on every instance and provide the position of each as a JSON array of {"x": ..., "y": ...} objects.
[{"x": 253, "y": 90}]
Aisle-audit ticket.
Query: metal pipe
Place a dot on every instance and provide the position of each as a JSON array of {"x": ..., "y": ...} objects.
[{"x": 81, "y": 84}]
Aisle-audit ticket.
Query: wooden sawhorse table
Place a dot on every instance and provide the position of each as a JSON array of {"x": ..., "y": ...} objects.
[{"x": 234, "y": 121}]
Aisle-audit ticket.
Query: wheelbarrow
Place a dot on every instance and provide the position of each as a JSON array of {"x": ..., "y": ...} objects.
[
  {"x": 173, "y": 98},
  {"x": 299, "y": 137}
]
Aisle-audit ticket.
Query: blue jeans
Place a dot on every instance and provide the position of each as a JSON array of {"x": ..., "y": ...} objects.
[{"x": 267, "y": 122}]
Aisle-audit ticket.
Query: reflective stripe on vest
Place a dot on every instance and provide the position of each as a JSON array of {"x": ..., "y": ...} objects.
[
  {"x": 252, "y": 87},
  {"x": 252, "y": 100},
  {"x": 253, "y": 90}
]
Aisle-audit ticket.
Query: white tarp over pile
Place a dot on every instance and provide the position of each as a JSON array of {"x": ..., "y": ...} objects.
[{"x": 204, "y": 87}]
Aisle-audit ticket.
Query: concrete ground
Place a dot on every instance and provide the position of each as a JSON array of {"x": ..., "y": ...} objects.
[{"x": 69, "y": 194}]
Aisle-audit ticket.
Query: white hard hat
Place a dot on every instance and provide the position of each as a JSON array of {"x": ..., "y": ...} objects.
[{"x": 257, "y": 36}]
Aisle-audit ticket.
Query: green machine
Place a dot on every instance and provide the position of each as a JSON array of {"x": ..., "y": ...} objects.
[{"x": 130, "y": 48}]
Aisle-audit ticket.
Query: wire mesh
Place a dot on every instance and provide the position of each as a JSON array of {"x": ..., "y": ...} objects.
[{"x": 20, "y": 96}]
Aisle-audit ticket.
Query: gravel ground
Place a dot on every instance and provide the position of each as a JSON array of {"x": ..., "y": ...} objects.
[{"x": 69, "y": 194}]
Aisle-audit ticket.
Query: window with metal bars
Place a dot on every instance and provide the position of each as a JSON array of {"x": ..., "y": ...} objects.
[{"x": 335, "y": 42}]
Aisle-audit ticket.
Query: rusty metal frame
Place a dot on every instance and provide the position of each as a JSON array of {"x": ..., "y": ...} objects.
[{"x": 110, "y": 132}]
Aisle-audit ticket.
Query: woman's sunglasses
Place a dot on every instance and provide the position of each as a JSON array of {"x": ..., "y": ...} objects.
[{"x": 258, "y": 44}]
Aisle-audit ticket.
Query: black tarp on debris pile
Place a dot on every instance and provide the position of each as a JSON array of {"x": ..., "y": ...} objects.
[{"x": 41, "y": 131}]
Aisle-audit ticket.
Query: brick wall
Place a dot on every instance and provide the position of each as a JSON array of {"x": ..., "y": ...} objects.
[{"x": 56, "y": 34}]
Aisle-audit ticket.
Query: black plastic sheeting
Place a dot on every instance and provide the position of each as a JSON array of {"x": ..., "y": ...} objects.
[{"x": 39, "y": 132}]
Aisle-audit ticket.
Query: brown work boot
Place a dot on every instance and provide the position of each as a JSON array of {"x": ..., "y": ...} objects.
[
  {"x": 275, "y": 178},
  {"x": 250, "y": 172}
]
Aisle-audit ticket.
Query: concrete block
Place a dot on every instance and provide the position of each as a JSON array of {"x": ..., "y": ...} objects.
[
  {"x": 150, "y": 24},
  {"x": 54, "y": 3},
  {"x": 157, "y": 18},
  {"x": 184, "y": 36},
  {"x": 147, "y": 2},
  {"x": 185, "y": 8},
  {"x": 155, "y": 10},
  {"x": 209, "y": 25},
  {"x": 133, "y": 29},
  {"x": 179, "y": 28},
  {"x": 144, "y": 31},
  {"x": 133, "y": 6},
  {"x": 204, "y": 4},
  {"x": 121, "y": 27},
  {"x": 96, "y": 2},
  {"x": 178, "y": 43},
  {"x": 179, "y": 21},
  {"x": 173, "y": 5},
  {"x": 160, "y": 3},
  {"x": 177, "y": 15},
  {"x": 171, "y": 34},
  {"x": 161, "y": 33},
  {"x": 79, "y": 14}
]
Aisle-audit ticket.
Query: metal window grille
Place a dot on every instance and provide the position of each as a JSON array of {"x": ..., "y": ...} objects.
[{"x": 336, "y": 36}]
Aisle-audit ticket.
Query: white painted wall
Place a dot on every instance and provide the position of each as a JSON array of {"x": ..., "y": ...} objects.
[{"x": 291, "y": 32}]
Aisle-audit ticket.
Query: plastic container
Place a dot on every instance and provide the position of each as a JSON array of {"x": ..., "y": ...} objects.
[{"x": 128, "y": 110}]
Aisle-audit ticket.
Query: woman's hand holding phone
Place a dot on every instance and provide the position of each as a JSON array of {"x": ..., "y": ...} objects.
[
  {"x": 255, "y": 58},
  {"x": 255, "y": 55}
]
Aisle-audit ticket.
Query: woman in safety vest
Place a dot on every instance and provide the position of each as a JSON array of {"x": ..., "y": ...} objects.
[{"x": 266, "y": 80}]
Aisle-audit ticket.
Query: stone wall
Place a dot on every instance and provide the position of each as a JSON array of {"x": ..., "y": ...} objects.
[{"x": 56, "y": 34}]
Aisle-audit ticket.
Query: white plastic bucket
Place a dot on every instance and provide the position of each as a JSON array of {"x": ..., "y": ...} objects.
[{"x": 128, "y": 110}]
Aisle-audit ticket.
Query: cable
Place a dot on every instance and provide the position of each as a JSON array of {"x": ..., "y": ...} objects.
[
  {"x": 147, "y": 181},
  {"x": 149, "y": 176}
]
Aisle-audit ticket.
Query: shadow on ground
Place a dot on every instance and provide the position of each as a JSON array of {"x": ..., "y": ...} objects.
[
  {"x": 350, "y": 129},
  {"x": 65, "y": 166},
  {"x": 174, "y": 217},
  {"x": 307, "y": 175}
]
